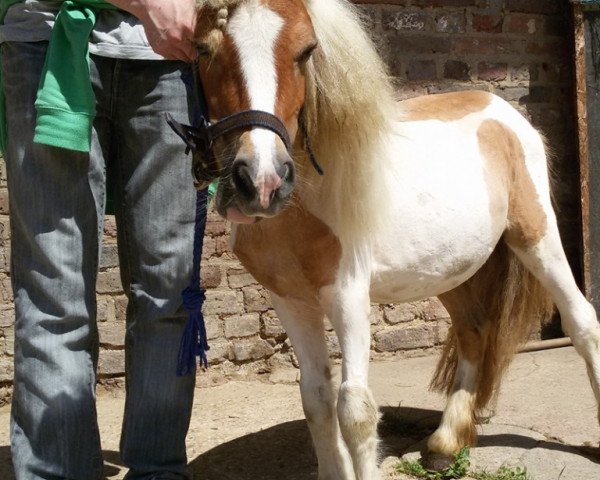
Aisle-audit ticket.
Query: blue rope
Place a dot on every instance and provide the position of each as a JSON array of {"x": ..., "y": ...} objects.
[{"x": 193, "y": 341}]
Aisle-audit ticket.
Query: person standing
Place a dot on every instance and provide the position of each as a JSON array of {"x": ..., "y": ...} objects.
[{"x": 85, "y": 87}]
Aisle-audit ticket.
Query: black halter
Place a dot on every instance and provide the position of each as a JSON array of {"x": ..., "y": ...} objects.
[{"x": 200, "y": 139}]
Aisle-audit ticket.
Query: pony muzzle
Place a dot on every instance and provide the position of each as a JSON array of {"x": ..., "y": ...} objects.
[{"x": 262, "y": 192}]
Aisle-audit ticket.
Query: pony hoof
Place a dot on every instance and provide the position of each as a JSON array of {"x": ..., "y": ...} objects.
[{"x": 436, "y": 461}]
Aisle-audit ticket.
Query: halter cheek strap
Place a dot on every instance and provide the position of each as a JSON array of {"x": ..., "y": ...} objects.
[{"x": 201, "y": 139}]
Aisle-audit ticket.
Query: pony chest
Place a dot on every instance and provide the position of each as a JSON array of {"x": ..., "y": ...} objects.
[{"x": 294, "y": 254}]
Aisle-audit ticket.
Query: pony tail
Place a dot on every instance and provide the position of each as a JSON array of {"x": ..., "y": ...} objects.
[{"x": 514, "y": 305}]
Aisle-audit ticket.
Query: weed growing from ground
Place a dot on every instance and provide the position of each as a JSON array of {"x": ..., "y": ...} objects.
[
  {"x": 503, "y": 473},
  {"x": 459, "y": 469}
]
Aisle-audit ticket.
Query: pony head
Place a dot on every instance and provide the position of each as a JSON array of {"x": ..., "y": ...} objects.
[{"x": 253, "y": 56}]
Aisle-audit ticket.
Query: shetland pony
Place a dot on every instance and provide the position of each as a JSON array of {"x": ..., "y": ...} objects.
[{"x": 443, "y": 195}]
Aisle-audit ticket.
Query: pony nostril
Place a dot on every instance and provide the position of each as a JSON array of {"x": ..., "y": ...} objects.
[
  {"x": 242, "y": 179},
  {"x": 287, "y": 172}
]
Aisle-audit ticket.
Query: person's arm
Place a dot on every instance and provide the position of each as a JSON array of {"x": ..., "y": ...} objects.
[{"x": 169, "y": 25}]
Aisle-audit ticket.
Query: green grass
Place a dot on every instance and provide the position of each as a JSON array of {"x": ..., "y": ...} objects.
[
  {"x": 459, "y": 469},
  {"x": 503, "y": 473}
]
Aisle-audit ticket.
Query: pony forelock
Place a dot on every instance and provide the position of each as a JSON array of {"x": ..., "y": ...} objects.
[{"x": 216, "y": 14}]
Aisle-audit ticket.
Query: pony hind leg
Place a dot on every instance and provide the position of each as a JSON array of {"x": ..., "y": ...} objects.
[
  {"x": 458, "y": 374},
  {"x": 548, "y": 262},
  {"x": 492, "y": 314},
  {"x": 303, "y": 322},
  {"x": 533, "y": 235}
]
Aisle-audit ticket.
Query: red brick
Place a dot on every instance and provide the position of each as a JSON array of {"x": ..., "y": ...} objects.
[
  {"x": 4, "y": 229},
  {"x": 2, "y": 172},
  {"x": 109, "y": 282},
  {"x": 557, "y": 48},
  {"x": 4, "y": 201},
  {"x": 421, "y": 70},
  {"x": 209, "y": 248},
  {"x": 210, "y": 276},
  {"x": 492, "y": 72},
  {"x": 486, "y": 46},
  {"x": 522, "y": 24},
  {"x": 419, "y": 44},
  {"x": 121, "y": 303},
  {"x": 491, "y": 23},
  {"x": 216, "y": 228},
  {"x": 533, "y": 6},
  {"x": 222, "y": 245},
  {"x": 524, "y": 73},
  {"x": 405, "y": 21},
  {"x": 456, "y": 70},
  {"x": 110, "y": 226},
  {"x": 451, "y": 23}
]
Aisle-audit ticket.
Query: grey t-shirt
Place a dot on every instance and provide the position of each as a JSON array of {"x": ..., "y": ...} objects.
[{"x": 116, "y": 34}]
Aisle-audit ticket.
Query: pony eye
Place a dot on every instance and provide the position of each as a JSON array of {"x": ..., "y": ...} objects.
[
  {"x": 305, "y": 54},
  {"x": 202, "y": 49}
]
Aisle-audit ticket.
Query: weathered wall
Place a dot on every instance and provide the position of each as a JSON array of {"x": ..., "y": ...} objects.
[{"x": 518, "y": 49}]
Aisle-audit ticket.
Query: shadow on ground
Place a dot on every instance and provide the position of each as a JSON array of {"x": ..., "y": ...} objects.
[
  {"x": 285, "y": 450},
  {"x": 112, "y": 464}
]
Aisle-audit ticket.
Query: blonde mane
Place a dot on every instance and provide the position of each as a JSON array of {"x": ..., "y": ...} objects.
[{"x": 348, "y": 111}]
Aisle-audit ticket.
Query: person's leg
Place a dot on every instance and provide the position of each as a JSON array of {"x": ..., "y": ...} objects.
[
  {"x": 56, "y": 209},
  {"x": 155, "y": 207}
]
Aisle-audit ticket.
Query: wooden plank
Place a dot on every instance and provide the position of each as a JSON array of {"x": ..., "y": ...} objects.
[
  {"x": 581, "y": 104},
  {"x": 591, "y": 21}
]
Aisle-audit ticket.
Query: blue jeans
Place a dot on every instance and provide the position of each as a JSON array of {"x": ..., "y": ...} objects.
[{"x": 57, "y": 202}]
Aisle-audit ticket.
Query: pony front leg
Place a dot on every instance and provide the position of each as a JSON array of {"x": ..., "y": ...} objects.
[
  {"x": 303, "y": 322},
  {"x": 347, "y": 305}
]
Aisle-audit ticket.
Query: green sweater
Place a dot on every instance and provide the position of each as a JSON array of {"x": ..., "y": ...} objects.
[{"x": 65, "y": 103}]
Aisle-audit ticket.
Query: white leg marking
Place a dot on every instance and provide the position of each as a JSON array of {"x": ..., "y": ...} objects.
[
  {"x": 304, "y": 325},
  {"x": 347, "y": 305},
  {"x": 457, "y": 420}
]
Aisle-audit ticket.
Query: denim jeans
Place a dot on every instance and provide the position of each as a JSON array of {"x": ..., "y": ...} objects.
[{"x": 57, "y": 201}]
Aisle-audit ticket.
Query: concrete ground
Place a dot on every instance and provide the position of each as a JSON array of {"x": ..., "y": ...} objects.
[{"x": 545, "y": 420}]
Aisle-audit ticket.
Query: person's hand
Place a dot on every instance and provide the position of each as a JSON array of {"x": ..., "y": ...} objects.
[{"x": 169, "y": 25}]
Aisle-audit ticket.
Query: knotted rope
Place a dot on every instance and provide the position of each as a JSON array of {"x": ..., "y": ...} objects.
[{"x": 193, "y": 341}]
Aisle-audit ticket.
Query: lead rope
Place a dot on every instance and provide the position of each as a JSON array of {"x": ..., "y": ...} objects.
[{"x": 193, "y": 340}]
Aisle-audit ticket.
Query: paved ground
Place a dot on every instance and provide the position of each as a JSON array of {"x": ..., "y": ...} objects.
[{"x": 545, "y": 420}]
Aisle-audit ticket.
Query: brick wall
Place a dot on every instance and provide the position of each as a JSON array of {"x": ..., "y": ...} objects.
[{"x": 518, "y": 49}]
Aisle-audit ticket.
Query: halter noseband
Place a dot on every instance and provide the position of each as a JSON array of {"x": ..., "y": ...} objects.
[{"x": 200, "y": 139}]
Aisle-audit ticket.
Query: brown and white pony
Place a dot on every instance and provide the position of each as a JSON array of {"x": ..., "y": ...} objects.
[{"x": 443, "y": 195}]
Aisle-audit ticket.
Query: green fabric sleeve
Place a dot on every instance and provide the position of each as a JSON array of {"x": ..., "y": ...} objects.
[
  {"x": 65, "y": 102},
  {"x": 66, "y": 105}
]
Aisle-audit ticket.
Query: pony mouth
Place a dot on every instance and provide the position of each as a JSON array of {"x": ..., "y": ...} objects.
[{"x": 235, "y": 215}]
